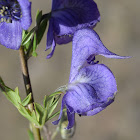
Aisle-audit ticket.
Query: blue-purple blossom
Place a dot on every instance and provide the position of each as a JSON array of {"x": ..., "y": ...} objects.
[
  {"x": 86, "y": 45},
  {"x": 67, "y": 17},
  {"x": 15, "y": 15},
  {"x": 92, "y": 86}
]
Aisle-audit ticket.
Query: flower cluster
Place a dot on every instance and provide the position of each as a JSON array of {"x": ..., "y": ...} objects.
[
  {"x": 15, "y": 15},
  {"x": 67, "y": 17},
  {"x": 92, "y": 86}
]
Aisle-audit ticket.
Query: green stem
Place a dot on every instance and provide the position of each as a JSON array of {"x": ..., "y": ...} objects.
[{"x": 28, "y": 88}]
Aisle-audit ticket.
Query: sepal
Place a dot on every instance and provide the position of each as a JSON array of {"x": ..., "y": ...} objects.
[{"x": 66, "y": 133}]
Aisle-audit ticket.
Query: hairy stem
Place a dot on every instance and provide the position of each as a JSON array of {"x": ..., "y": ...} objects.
[{"x": 28, "y": 88}]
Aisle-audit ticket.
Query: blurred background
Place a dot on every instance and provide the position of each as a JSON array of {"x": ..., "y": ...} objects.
[{"x": 120, "y": 32}]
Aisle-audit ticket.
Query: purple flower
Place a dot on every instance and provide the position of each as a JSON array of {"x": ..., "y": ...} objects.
[
  {"x": 86, "y": 45},
  {"x": 92, "y": 86},
  {"x": 67, "y": 17},
  {"x": 15, "y": 15}
]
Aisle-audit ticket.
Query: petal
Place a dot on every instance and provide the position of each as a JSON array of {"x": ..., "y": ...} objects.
[
  {"x": 99, "y": 109},
  {"x": 56, "y": 4},
  {"x": 86, "y": 43},
  {"x": 50, "y": 39},
  {"x": 100, "y": 78},
  {"x": 63, "y": 39},
  {"x": 61, "y": 112},
  {"x": 80, "y": 98},
  {"x": 67, "y": 15},
  {"x": 71, "y": 119},
  {"x": 53, "y": 49},
  {"x": 92, "y": 90},
  {"x": 26, "y": 19},
  {"x": 11, "y": 34}
]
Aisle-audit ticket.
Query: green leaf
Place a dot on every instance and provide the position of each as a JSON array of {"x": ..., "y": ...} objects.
[
  {"x": 45, "y": 101},
  {"x": 24, "y": 111},
  {"x": 31, "y": 135},
  {"x": 33, "y": 115},
  {"x": 27, "y": 38},
  {"x": 43, "y": 113},
  {"x": 34, "y": 46},
  {"x": 27, "y": 100},
  {"x": 38, "y": 17},
  {"x": 55, "y": 114},
  {"x": 1, "y": 81},
  {"x": 27, "y": 114},
  {"x": 48, "y": 101},
  {"x": 55, "y": 93},
  {"x": 11, "y": 95},
  {"x": 17, "y": 95},
  {"x": 44, "y": 117},
  {"x": 40, "y": 112},
  {"x": 14, "y": 98},
  {"x": 27, "y": 45},
  {"x": 41, "y": 30},
  {"x": 23, "y": 34},
  {"x": 53, "y": 106},
  {"x": 34, "y": 54}
]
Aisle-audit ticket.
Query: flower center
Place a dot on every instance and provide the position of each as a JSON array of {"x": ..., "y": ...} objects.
[
  {"x": 9, "y": 10},
  {"x": 91, "y": 60}
]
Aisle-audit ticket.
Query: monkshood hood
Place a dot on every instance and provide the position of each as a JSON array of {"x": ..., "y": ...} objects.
[
  {"x": 92, "y": 86},
  {"x": 67, "y": 17}
]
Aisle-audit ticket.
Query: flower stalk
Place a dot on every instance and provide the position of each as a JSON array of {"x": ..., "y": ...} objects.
[{"x": 28, "y": 88}]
